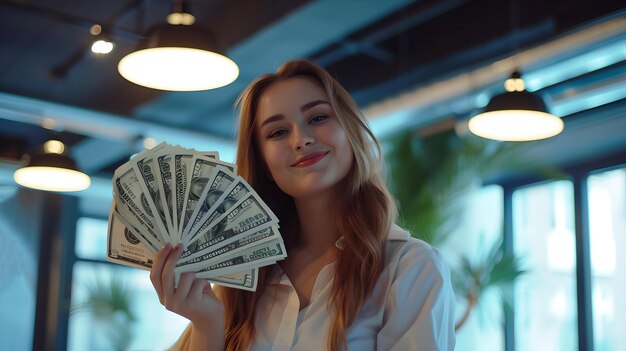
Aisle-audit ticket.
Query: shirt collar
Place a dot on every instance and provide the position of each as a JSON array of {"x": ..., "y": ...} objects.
[{"x": 396, "y": 233}]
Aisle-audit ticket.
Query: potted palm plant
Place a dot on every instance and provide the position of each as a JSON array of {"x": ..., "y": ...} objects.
[
  {"x": 110, "y": 304},
  {"x": 431, "y": 175}
]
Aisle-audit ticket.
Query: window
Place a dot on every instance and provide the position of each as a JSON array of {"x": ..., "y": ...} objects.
[
  {"x": 18, "y": 289},
  {"x": 607, "y": 241},
  {"x": 545, "y": 297},
  {"x": 475, "y": 236},
  {"x": 153, "y": 327}
]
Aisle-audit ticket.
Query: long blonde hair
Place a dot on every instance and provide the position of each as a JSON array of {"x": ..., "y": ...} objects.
[{"x": 366, "y": 216}]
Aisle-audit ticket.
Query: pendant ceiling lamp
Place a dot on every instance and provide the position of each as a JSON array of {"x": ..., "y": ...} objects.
[
  {"x": 52, "y": 170},
  {"x": 178, "y": 57},
  {"x": 517, "y": 115}
]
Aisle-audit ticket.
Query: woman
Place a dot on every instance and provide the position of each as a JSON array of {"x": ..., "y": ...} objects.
[{"x": 353, "y": 280}]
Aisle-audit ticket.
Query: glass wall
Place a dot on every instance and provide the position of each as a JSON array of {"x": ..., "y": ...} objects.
[
  {"x": 476, "y": 235},
  {"x": 607, "y": 239},
  {"x": 114, "y": 307},
  {"x": 545, "y": 297},
  {"x": 18, "y": 290}
]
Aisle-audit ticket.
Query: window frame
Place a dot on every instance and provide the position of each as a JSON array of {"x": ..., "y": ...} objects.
[{"x": 578, "y": 174}]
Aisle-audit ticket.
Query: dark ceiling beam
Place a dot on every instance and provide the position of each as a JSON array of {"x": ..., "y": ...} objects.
[
  {"x": 77, "y": 21},
  {"x": 348, "y": 48},
  {"x": 49, "y": 13},
  {"x": 367, "y": 44},
  {"x": 109, "y": 30},
  {"x": 490, "y": 51},
  {"x": 456, "y": 91}
]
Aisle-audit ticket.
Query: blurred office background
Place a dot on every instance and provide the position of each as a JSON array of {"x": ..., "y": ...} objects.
[{"x": 418, "y": 68}]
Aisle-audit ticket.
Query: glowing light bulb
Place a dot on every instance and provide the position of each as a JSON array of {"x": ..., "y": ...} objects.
[
  {"x": 54, "y": 147},
  {"x": 102, "y": 47}
]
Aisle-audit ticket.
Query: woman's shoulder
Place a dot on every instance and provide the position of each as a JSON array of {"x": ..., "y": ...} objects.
[{"x": 404, "y": 251}]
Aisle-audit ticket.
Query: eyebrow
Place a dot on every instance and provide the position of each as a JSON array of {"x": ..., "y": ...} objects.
[{"x": 305, "y": 107}]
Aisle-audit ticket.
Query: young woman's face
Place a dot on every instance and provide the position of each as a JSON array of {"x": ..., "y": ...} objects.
[{"x": 304, "y": 146}]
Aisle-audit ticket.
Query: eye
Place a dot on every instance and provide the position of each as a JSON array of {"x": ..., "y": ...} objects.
[
  {"x": 277, "y": 133},
  {"x": 318, "y": 119}
]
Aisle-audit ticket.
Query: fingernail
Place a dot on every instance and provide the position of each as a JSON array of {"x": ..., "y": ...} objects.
[{"x": 179, "y": 246}]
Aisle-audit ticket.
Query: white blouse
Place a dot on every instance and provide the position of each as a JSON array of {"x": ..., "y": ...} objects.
[{"x": 411, "y": 307}]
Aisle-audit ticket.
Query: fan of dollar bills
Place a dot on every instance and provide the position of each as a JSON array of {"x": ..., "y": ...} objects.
[{"x": 169, "y": 194}]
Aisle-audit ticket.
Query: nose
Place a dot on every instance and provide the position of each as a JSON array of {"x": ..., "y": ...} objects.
[{"x": 302, "y": 138}]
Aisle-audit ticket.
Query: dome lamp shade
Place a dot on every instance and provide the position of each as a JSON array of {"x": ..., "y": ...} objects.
[
  {"x": 51, "y": 171},
  {"x": 516, "y": 115},
  {"x": 178, "y": 58}
]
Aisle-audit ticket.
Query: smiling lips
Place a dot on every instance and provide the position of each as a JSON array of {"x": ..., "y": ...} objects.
[{"x": 309, "y": 159}]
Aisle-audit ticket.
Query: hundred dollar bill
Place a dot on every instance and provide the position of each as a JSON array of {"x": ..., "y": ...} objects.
[
  {"x": 211, "y": 154},
  {"x": 168, "y": 180},
  {"x": 127, "y": 193},
  {"x": 125, "y": 247},
  {"x": 137, "y": 229},
  {"x": 164, "y": 184},
  {"x": 257, "y": 256},
  {"x": 182, "y": 163},
  {"x": 130, "y": 221},
  {"x": 233, "y": 193},
  {"x": 246, "y": 280},
  {"x": 221, "y": 179},
  {"x": 265, "y": 233},
  {"x": 261, "y": 258},
  {"x": 203, "y": 171},
  {"x": 146, "y": 169},
  {"x": 241, "y": 219}
]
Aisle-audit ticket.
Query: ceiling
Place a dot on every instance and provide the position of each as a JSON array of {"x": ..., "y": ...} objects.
[{"x": 392, "y": 55}]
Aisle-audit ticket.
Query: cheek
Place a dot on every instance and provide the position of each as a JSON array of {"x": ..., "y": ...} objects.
[
  {"x": 347, "y": 158},
  {"x": 273, "y": 158},
  {"x": 342, "y": 144}
]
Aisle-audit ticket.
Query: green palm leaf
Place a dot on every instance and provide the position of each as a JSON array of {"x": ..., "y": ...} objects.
[{"x": 430, "y": 177}]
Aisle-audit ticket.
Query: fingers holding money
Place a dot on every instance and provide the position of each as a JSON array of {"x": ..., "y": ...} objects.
[
  {"x": 162, "y": 277},
  {"x": 178, "y": 302},
  {"x": 181, "y": 299},
  {"x": 200, "y": 288},
  {"x": 157, "y": 271},
  {"x": 193, "y": 298},
  {"x": 167, "y": 274},
  {"x": 191, "y": 293}
]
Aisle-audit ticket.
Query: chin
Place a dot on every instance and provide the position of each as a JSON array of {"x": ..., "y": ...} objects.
[
  {"x": 311, "y": 189},
  {"x": 312, "y": 183}
]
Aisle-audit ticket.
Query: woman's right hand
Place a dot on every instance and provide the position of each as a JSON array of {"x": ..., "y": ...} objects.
[{"x": 193, "y": 298}]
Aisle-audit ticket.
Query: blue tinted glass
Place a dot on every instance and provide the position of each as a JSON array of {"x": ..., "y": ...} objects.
[
  {"x": 91, "y": 238},
  {"x": 110, "y": 328},
  {"x": 545, "y": 297},
  {"x": 18, "y": 289},
  {"x": 479, "y": 230},
  {"x": 607, "y": 239}
]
